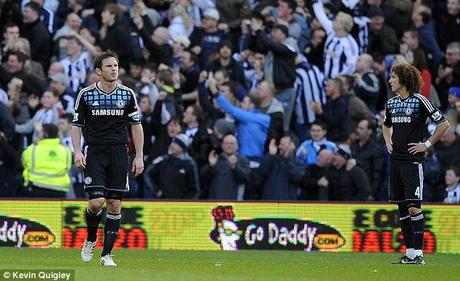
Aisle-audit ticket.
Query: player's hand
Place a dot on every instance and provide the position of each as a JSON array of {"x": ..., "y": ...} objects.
[
  {"x": 389, "y": 147},
  {"x": 417, "y": 147},
  {"x": 138, "y": 165},
  {"x": 80, "y": 160}
]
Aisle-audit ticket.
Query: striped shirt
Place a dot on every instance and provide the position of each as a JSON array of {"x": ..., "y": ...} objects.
[
  {"x": 309, "y": 86},
  {"x": 452, "y": 196},
  {"x": 340, "y": 55},
  {"x": 363, "y": 33},
  {"x": 77, "y": 70},
  {"x": 340, "y": 52}
]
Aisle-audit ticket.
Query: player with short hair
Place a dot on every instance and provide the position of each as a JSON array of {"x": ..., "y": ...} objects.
[
  {"x": 404, "y": 130},
  {"x": 103, "y": 110}
]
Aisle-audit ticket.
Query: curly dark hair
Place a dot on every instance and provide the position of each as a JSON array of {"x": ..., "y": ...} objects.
[{"x": 409, "y": 77}]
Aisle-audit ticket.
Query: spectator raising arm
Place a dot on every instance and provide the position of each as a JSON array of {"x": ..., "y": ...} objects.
[{"x": 321, "y": 16}]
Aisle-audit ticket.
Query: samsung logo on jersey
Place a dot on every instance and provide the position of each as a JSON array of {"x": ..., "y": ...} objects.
[
  {"x": 401, "y": 119},
  {"x": 107, "y": 112}
]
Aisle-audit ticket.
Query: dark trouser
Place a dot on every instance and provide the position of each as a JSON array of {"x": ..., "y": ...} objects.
[{"x": 287, "y": 99}]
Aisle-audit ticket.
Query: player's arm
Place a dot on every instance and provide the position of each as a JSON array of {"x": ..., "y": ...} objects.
[
  {"x": 138, "y": 135},
  {"x": 138, "y": 139},
  {"x": 75, "y": 131},
  {"x": 442, "y": 125},
  {"x": 439, "y": 132},
  {"x": 387, "y": 129}
]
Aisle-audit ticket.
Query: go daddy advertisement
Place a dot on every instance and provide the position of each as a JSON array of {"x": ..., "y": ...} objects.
[{"x": 230, "y": 226}]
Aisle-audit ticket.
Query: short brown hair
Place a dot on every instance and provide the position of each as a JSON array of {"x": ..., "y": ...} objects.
[
  {"x": 114, "y": 10},
  {"x": 102, "y": 56},
  {"x": 166, "y": 76},
  {"x": 409, "y": 77}
]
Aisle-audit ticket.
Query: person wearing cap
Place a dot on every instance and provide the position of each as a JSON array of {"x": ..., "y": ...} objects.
[
  {"x": 279, "y": 65},
  {"x": 205, "y": 41},
  {"x": 343, "y": 184},
  {"x": 174, "y": 175},
  {"x": 382, "y": 39},
  {"x": 60, "y": 83},
  {"x": 226, "y": 61}
]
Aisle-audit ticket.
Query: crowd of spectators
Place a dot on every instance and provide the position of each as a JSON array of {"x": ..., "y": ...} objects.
[{"x": 240, "y": 99}]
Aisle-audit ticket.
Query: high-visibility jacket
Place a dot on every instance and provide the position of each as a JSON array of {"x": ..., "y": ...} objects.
[{"x": 47, "y": 165}]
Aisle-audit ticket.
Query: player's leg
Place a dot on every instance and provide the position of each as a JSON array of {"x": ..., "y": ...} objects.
[
  {"x": 117, "y": 185},
  {"x": 418, "y": 228},
  {"x": 396, "y": 192},
  {"x": 112, "y": 225},
  {"x": 414, "y": 195},
  {"x": 406, "y": 228},
  {"x": 93, "y": 217},
  {"x": 94, "y": 185}
]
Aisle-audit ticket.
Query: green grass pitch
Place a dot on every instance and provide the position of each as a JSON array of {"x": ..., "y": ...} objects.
[{"x": 136, "y": 265}]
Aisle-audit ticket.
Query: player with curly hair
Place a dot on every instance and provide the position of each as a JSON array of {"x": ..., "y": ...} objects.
[{"x": 404, "y": 131}]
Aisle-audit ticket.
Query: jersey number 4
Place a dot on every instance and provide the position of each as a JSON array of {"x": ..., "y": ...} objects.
[{"x": 417, "y": 191}]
